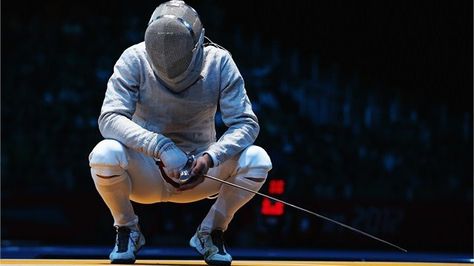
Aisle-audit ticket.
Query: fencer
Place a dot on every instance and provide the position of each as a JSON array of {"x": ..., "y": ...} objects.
[{"x": 160, "y": 103}]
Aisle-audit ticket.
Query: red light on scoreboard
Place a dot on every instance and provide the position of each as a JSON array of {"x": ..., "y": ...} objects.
[
  {"x": 275, "y": 187},
  {"x": 272, "y": 209}
]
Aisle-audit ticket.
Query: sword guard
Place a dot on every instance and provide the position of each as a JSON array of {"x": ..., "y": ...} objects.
[{"x": 185, "y": 173}]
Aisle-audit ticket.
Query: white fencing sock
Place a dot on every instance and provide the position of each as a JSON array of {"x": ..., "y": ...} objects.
[
  {"x": 115, "y": 191},
  {"x": 251, "y": 172},
  {"x": 229, "y": 201},
  {"x": 108, "y": 161}
]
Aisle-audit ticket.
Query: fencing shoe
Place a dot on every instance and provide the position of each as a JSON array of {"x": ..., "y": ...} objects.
[
  {"x": 211, "y": 246},
  {"x": 127, "y": 243}
]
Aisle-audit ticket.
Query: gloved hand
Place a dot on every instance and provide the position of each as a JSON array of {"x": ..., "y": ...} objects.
[
  {"x": 172, "y": 157},
  {"x": 200, "y": 167}
]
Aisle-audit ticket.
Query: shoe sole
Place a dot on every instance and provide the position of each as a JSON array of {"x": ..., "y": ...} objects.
[
  {"x": 128, "y": 261},
  {"x": 218, "y": 263},
  {"x": 209, "y": 262},
  {"x": 123, "y": 261}
]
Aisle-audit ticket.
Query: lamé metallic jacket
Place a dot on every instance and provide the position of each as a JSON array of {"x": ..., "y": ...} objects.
[{"x": 138, "y": 110}]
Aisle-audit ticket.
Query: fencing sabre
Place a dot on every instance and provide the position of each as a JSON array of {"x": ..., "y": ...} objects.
[{"x": 185, "y": 176}]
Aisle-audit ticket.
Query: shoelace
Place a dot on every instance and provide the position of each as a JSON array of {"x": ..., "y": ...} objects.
[
  {"x": 123, "y": 235},
  {"x": 218, "y": 240}
]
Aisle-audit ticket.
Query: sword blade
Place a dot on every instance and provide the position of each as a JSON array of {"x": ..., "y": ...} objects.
[{"x": 307, "y": 211}]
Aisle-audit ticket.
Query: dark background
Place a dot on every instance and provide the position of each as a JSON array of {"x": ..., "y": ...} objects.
[{"x": 365, "y": 109}]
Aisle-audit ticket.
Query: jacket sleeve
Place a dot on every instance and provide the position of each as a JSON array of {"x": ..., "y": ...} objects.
[
  {"x": 237, "y": 114},
  {"x": 119, "y": 104}
]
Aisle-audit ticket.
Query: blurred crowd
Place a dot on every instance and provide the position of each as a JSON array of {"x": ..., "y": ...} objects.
[{"x": 331, "y": 135}]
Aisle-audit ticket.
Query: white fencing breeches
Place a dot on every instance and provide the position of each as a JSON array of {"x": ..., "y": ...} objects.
[{"x": 121, "y": 174}]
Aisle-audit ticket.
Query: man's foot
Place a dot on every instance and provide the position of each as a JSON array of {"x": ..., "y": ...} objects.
[
  {"x": 211, "y": 246},
  {"x": 127, "y": 243}
]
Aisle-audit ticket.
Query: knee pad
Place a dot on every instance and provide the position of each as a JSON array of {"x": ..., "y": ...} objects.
[
  {"x": 108, "y": 158},
  {"x": 254, "y": 162}
]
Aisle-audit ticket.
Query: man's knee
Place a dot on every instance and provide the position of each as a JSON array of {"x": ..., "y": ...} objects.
[
  {"x": 108, "y": 158},
  {"x": 255, "y": 163}
]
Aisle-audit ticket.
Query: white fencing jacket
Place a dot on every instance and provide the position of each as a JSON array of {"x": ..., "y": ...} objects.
[{"x": 138, "y": 110}]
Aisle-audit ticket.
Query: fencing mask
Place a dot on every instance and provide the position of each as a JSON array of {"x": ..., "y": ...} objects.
[{"x": 174, "y": 44}]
